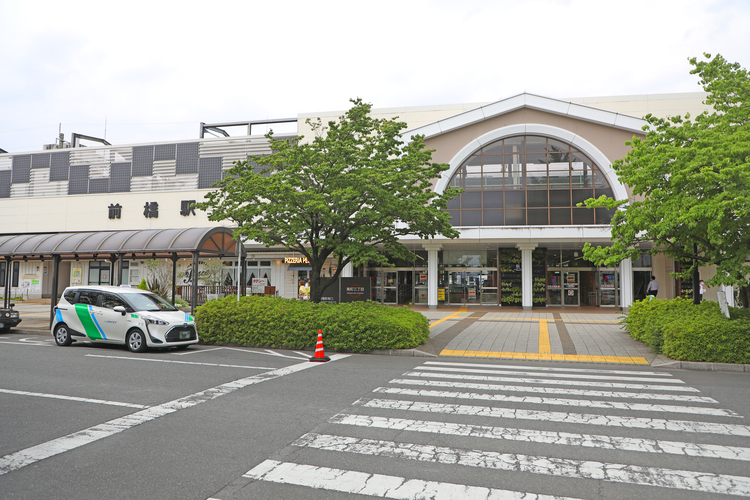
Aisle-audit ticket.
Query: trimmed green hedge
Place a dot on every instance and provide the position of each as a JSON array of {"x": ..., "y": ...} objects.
[
  {"x": 261, "y": 321},
  {"x": 688, "y": 332}
]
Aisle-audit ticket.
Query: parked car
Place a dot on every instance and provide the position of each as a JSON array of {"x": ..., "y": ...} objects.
[
  {"x": 136, "y": 318},
  {"x": 9, "y": 318}
]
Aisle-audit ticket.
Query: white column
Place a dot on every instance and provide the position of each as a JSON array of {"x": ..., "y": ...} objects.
[
  {"x": 527, "y": 294},
  {"x": 432, "y": 275},
  {"x": 347, "y": 271},
  {"x": 626, "y": 284}
]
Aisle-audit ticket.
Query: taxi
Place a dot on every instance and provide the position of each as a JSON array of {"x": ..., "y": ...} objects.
[{"x": 136, "y": 318}]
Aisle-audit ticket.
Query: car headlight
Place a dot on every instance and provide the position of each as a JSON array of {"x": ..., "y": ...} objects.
[{"x": 154, "y": 321}]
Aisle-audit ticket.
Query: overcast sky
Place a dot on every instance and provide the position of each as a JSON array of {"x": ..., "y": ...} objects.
[{"x": 143, "y": 71}]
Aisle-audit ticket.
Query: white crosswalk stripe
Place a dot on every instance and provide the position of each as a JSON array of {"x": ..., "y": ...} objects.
[{"x": 453, "y": 403}]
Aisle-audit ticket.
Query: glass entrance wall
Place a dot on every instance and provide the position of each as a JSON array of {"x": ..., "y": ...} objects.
[{"x": 470, "y": 286}]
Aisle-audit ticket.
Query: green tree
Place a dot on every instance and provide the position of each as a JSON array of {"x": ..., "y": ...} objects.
[
  {"x": 356, "y": 187},
  {"x": 691, "y": 183}
]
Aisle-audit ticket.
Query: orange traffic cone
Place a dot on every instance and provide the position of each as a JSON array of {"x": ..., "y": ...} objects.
[{"x": 320, "y": 355}]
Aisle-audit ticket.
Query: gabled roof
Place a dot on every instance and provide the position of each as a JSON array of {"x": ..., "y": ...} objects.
[{"x": 531, "y": 101}]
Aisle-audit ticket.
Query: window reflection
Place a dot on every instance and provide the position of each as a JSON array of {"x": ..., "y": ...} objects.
[{"x": 526, "y": 176}]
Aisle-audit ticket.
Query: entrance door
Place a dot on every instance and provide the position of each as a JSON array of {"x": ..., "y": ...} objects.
[
  {"x": 468, "y": 286},
  {"x": 406, "y": 287},
  {"x": 571, "y": 289}
]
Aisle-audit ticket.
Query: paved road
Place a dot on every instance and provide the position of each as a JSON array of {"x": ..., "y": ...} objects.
[{"x": 235, "y": 424}]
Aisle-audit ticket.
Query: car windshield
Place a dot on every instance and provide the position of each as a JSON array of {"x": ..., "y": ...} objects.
[{"x": 149, "y": 302}]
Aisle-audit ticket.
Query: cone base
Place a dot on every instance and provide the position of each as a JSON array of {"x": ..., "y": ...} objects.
[{"x": 320, "y": 360}]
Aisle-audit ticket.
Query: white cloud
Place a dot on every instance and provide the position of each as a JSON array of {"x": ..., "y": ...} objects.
[{"x": 154, "y": 70}]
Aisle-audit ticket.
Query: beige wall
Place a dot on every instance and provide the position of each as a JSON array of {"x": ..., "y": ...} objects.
[{"x": 90, "y": 212}]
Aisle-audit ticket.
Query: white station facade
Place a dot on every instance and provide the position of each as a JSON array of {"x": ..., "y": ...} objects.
[{"x": 524, "y": 163}]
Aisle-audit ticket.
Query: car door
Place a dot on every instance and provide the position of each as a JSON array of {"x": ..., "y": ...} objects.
[
  {"x": 114, "y": 323},
  {"x": 85, "y": 314}
]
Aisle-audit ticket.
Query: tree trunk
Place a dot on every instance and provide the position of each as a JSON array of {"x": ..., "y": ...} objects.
[{"x": 744, "y": 297}]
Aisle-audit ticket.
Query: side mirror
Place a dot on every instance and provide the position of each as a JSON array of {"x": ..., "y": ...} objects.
[{"x": 119, "y": 309}]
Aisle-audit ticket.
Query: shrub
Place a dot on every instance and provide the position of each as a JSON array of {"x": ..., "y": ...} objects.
[
  {"x": 142, "y": 285},
  {"x": 689, "y": 332},
  {"x": 261, "y": 321}
]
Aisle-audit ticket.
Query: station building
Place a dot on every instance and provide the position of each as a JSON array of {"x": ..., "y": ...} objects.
[{"x": 97, "y": 215}]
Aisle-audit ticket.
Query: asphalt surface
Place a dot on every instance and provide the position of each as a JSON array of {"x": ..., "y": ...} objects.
[{"x": 92, "y": 422}]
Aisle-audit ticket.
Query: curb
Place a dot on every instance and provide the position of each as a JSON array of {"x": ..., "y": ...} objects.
[
  {"x": 704, "y": 367},
  {"x": 404, "y": 352}
]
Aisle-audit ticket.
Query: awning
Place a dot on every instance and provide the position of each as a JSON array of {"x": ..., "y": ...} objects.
[{"x": 140, "y": 243}]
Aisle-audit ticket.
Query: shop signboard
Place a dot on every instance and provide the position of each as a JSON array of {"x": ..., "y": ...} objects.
[
  {"x": 259, "y": 285},
  {"x": 355, "y": 289}
]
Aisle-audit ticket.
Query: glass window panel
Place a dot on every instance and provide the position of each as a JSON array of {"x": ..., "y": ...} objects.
[
  {"x": 515, "y": 217},
  {"x": 536, "y": 144},
  {"x": 472, "y": 162},
  {"x": 600, "y": 180},
  {"x": 493, "y": 172},
  {"x": 583, "y": 216},
  {"x": 559, "y": 178},
  {"x": 581, "y": 195},
  {"x": 471, "y": 200},
  {"x": 605, "y": 192},
  {"x": 514, "y": 177},
  {"x": 559, "y": 198},
  {"x": 583, "y": 174},
  {"x": 515, "y": 199},
  {"x": 553, "y": 258},
  {"x": 455, "y": 217},
  {"x": 537, "y": 198},
  {"x": 538, "y": 217},
  {"x": 555, "y": 146},
  {"x": 536, "y": 175},
  {"x": 513, "y": 145},
  {"x": 473, "y": 182},
  {"x": 454, "y": 202},
  {"x": 603, "y": 215},
  {"x": 455, "y": 181},
  {"x": 493, "y": 217},
  {"x": 496, "y": 148},
  {"x": 471, "y": 217},
  {"x": 493, "y": 199},
  {"x": 559, "y": 217}
]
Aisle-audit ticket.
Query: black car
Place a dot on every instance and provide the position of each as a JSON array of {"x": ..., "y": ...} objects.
[{"x": 8, "y": 318}]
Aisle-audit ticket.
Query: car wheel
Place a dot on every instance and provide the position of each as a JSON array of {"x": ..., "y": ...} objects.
[
  {"x": 136, "y": 341},
  {"x": 62, "y": 335}
]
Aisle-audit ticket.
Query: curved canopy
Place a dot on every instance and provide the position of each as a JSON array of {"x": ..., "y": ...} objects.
[{"x": 183, "y": 242}]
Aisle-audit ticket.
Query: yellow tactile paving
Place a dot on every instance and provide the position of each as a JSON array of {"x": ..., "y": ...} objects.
[
  {"x": 545, "y": 357},
  {"x": 545, "y": 349}
]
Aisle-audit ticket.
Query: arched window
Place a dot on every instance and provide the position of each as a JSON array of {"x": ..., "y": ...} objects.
[{"x": 528, "y": 180}]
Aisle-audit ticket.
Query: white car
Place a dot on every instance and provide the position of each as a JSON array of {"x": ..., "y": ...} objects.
[{"x": 121, "y": 315}]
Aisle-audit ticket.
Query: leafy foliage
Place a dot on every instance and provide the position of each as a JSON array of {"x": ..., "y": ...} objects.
[
  {"x": 691, "y": 183},
  {"x": 261, "y": 321},
  {"x": 356, "y": 187},
  {"x": 686, "y": 332}
]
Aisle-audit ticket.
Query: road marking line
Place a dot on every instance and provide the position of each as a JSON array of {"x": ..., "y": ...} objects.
[
  {"x": 613, "y": 385},
  {"x": 560, "y": 417},
  {"x": 536, "y": 368},
  {"x": 536, "y": 400},
  {"x": 544, "y": 346},
  {"x": 513, "y": 462},
  {"x": 556, "y": 390},
  {"x": 40, "y": 344},
  {"x": 39, "y": 452},
  {"x": 72, "y": 398},
  {"x": 636, "y": 360},
  {"x": 551, "y": 375},
  {"x": 379, "y": 485},
  {"x": 128, "y": 358},
  {"x": 548, "y": 437},
  {"x": 267, "y": 352}
]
